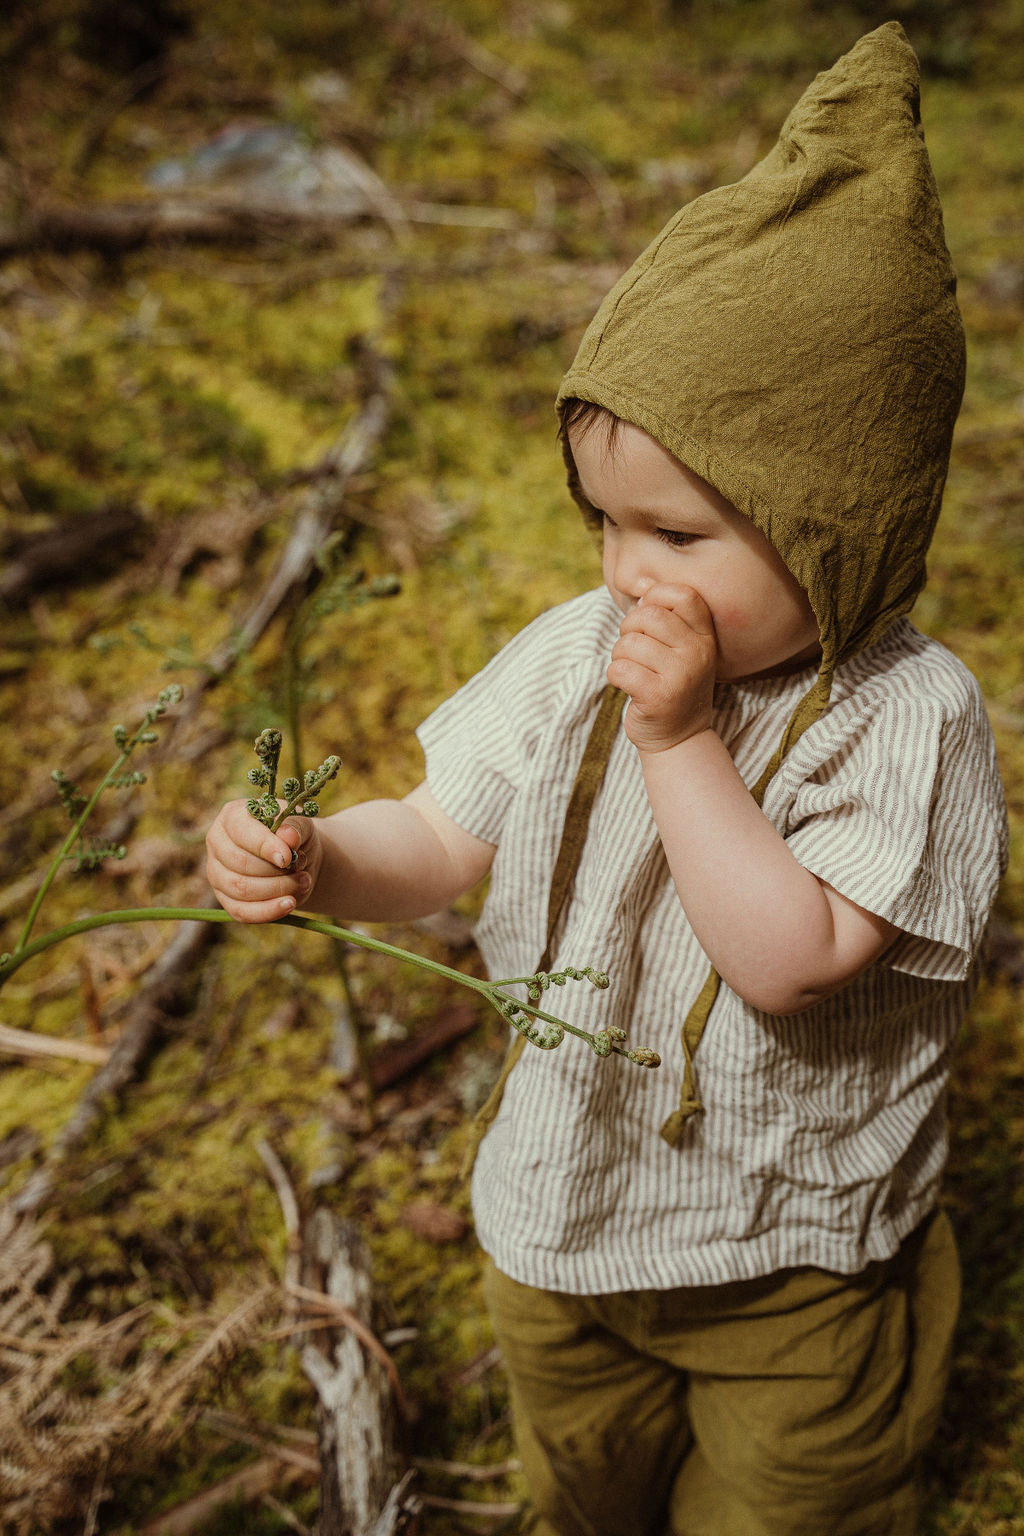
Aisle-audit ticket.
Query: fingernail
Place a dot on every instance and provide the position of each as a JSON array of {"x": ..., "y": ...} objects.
[
  {"x": 282, "y": 860},
  {"x": 304, "y": 883},
  {"x": 287, "y": 903}
]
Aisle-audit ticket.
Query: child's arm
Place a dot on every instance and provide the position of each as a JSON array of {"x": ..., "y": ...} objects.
[
  {"x": 384, "y": 860},
  {"x": 777, "y": 935}
]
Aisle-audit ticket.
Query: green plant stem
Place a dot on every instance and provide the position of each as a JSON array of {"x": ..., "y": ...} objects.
[
  {"x": 292, "y": 646},
  {"x": 25, "y": 952},
  {"x": 66, "y": 847}
]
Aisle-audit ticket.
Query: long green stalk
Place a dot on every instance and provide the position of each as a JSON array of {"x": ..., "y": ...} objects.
[
  {"x": 127, "y": 743},
  {"x": 522, "y": 1014},
  {"x": 510, "y": 1007},
  {"x": 67, "y": 845}
]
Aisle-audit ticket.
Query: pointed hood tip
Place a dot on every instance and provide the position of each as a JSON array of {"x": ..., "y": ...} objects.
[
  {"x": 881, "y": 69},
  {"x": 887, "y": 32},
  {"x": 888, "y": 40}
]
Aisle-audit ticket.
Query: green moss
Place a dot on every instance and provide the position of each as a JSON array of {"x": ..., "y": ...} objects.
[{"x": 181, "y": 381}]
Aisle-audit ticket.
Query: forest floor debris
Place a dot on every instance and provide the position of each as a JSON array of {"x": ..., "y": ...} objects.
[{"x": 225, "y": 395}]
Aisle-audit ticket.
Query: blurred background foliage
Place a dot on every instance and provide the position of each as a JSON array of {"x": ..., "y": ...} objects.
[{"x": 191, "y": 388}]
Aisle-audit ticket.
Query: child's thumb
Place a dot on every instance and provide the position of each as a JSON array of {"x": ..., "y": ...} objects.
[{"x": 295, "y": 832}]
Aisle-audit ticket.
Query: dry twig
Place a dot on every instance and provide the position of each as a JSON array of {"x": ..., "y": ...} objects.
[
  {"x": 316, "y": 517},
  {"x": 25, "y": 1042},
  {"x": 341, "y": 1315},
  {"x": 290, "y": 1212},
  {"x": 250, "y": 1483},
  {"x": 470, "y": 1471}
]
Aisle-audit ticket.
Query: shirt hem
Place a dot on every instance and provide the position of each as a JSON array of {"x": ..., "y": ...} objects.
[{"x": 720, "y": 1263}]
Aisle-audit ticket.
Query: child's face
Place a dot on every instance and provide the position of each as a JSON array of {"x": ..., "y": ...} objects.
[{"x": 665, "y": 525}]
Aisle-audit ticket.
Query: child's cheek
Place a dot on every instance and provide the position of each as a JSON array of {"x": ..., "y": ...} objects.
[{"x": 728, "y": 619}]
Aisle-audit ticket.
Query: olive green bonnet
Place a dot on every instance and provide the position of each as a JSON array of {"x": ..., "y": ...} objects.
[{"x": 795, "y": 340}]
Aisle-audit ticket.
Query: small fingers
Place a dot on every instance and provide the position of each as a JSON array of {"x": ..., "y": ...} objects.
[
  {"x": 244, "y": 844},
  {"x": 255, "y": 873},
  {"x": 254, "y": 899},
  {"x": 252, "y": 890},
  {"x": 685, "y": 602},
  {"x": 257, "y": 911},
  {"x": 652, "y": 662},
  {"x": 632, "y": 678},
  {"x": 293, "y": 834},
  {"x": 662, "y": 624},
  {"x": 646, "y": 649}
]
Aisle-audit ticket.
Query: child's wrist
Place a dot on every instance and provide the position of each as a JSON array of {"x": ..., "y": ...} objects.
[{"x": 658, "y": 750}]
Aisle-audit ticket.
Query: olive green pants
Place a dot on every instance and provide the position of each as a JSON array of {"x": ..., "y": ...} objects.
[{"x": 796, "y": 1405}]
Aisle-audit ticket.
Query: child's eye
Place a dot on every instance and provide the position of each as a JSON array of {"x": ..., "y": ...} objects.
[{"x": 675, "y": 536}]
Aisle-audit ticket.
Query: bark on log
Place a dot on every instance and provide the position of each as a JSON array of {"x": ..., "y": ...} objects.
[{"x": 358, "y": 1458}]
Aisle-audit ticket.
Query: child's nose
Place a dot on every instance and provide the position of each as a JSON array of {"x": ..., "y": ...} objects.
[{"x": 630, "y": 575}]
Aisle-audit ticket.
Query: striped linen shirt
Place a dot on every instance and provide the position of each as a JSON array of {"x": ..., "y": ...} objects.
[{"x": 823, "y": 1135}]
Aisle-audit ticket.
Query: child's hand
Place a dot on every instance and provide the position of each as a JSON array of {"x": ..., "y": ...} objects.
[
  {"x": 665, "y": 660},
  {"x": 250, "y": 868}
]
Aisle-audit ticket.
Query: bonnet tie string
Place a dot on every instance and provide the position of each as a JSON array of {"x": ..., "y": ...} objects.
[
  {"x": 805, "y": 714},
  {"x": 589, "y": 777}
]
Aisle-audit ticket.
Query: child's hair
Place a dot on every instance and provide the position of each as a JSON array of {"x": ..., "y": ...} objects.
[{"x": 582, "y": 417}]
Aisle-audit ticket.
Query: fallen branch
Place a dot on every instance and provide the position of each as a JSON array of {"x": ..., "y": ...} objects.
[
  {"x": 316, "y": 518},
  {"x": 236, "y": 1429},
  {"x": 399, "y": 1512},
  {"x": 115, "y": 227},
  {"x": 79, "y": 548},
  {"x": 396, "y": 1061},
  {"x": 249, "y": 1484},
  {"x": 478, "y": 1368},
  {"x": 469, "y": 1471},
  {"x": 338, "y": 1313},
  {"x": 355, "y": 1389},
  {"x": 494, "y": 1511},
  {"x": 23, "y": 1042},
  {"x": 290, "y": 1212},
  {"x": 282, "y": 1511}
]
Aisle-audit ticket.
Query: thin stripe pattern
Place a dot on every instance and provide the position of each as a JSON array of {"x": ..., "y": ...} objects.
[{"x": 823, "y": 1136}]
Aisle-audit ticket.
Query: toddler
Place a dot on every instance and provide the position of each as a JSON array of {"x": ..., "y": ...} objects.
[{"x": 723, "y": 1290}]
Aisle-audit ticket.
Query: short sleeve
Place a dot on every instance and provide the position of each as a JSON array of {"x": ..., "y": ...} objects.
[
  {"x": 902, "y": 811},
  {"x": 478, "y": 744}
]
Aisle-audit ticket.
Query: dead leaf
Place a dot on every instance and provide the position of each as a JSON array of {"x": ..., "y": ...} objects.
[{"x": 437, "y": 1223}]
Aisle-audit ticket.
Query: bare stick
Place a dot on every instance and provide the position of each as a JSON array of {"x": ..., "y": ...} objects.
[
  {"x": 348, "y": 457},
  {"x": 290, "y": 1211},
  {"x": 200, "y": 221},
  {"x": 250, "y": 1483},
  {"x": 469, "y": 1470},
  {"x": 24, "y": 1042}
]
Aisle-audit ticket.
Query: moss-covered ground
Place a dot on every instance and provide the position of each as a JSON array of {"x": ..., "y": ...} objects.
[{"x": 188, "y": 383}]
